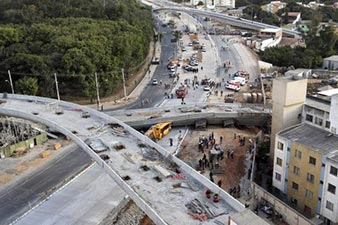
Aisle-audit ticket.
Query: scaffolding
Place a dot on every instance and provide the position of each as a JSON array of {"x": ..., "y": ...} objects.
[{"x": 12, "y": 131}]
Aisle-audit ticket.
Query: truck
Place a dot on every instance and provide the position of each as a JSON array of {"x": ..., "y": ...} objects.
[
  {"x": 234, "y": 82},
  {"x": 182, "y": 91},
  {"x": 232, "y": 87},
  {"x": 158, "y": 131}
]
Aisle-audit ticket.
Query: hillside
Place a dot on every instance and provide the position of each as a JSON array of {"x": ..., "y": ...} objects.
[{"x": 74, "y": 39}]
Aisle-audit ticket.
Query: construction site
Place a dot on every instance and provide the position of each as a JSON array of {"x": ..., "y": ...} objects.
[{"x": 17, "y": 136}]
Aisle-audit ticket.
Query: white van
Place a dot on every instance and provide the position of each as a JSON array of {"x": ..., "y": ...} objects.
[{"x": 241, "y": 80}]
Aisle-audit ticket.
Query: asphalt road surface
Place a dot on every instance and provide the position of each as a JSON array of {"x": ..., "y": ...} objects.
[
  {"x": 153, "y": 94},
  {"x": 17, "y": 200}
]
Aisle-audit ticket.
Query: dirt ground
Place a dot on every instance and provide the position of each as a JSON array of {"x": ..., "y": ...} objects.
[
  {"x": 13, "y": 167},
  {"x": 231, "y": 169}
]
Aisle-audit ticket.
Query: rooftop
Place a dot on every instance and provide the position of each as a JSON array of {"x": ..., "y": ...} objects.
[
  {"x": 329, "y": 93},
  {"x": 332, "y": 58},
  {"x": 247, "y": 217},
  {"x": 293, "y": 14},
  {"x": 270, "y": 29},
  {"x": 318, "y": 103},
  {"x": 315, "y": 138}
]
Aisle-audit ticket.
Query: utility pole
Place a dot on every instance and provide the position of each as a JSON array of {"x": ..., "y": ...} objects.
[
  {"x": 124, "y": 85},
  {"x": 10, "y": 81},
  {"x": 97, "y": 92},
  {"x": 57, "y": 86}
]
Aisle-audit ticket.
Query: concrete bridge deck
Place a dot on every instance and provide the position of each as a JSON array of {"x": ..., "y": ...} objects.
[
  {"x": 136, "y": 163},
  {"x": 214, "y": 113}
]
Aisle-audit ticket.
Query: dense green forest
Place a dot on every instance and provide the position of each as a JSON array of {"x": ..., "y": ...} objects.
[{"x": 75, "y": 39}]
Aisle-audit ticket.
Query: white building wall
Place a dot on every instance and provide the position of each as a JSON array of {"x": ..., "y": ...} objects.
[
  {"x": 282, "y": 154},
  {"x": 317, "y": 116},
  {"x": 328, "y": 196},
  {"x": 268, "y": 43},
  {"x": 334, "y": 114}
]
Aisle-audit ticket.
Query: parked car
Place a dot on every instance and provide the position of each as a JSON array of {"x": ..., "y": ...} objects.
[{"x": 154, "y": 82}]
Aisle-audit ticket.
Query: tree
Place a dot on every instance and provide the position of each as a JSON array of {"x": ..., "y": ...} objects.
[{"x": 27, "y": 86}]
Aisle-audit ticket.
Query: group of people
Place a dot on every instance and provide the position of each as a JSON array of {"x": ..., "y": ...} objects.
[{"x": 215, "y": 155}]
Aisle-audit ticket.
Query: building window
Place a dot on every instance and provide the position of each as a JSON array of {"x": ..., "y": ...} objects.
[
  {"x": 309, "y": 118},
  {"x": 279, "y": 161},
  {"x": 296, "y": 170},
  {"x": 329, "y": 205},
  {"x": 327, "y": 124},
  {"x": 331, "y": 188},
  {"x": 318, "y": 121},
  {"x": 278, "y": 176},
  {"x": 312, "y": 161},
  {"x": 310, "y": 177},
  {"x": 333, "y": 170},
  {"x": 298, "y": 154},
  {"x": 280, "y": 146},
  {"x": 294, "y": 185},
  {"x": 308, "y": 194}
]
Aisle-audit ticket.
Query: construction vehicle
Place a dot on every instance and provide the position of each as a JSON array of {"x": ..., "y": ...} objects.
[
  {"x": 158, "y": 131},
  {"x": 182, "y": 91}
]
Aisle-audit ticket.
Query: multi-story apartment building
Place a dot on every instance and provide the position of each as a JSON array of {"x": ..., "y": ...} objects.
[{"x": 306, "y": 159}]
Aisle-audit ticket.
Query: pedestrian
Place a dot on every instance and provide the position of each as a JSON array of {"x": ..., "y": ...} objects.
[
  {"x": 210, "y": 175},
  {"x": 204, "y": 157},
  {"x": 220, "y": 139},
  {"x": 234, "y": 135},
  {"x": 232, "y": 154},
  {"x": 211, "y": 179},
  {"x": 207, "y": 164},
  {"x": 228, "y": 153},
  {"x": 219, "y": 183},
  {"x": 171, "y": 141},
  {"x": 200, "y": 163},
  {"x": 201, "y": 67},
  {"x": 203, "y": 164}
]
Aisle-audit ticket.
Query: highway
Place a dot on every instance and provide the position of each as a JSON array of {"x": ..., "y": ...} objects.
[
  {"x": 17, "y": 200},
  {"x": 152, "y": 94}
]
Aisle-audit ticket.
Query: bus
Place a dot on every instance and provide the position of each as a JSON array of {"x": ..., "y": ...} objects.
[{"x": 158, "y": 131}]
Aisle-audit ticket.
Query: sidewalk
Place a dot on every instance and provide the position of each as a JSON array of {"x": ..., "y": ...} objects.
[{"x": 139, "y": 88}]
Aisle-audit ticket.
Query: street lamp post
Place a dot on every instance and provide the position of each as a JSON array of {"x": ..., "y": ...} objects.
[
  {"x": 97, "y": 92},
  {"x": 124, "y": 85},
  {"x": 10, "y": 81},
  {"x": 57, "y": 86}
]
